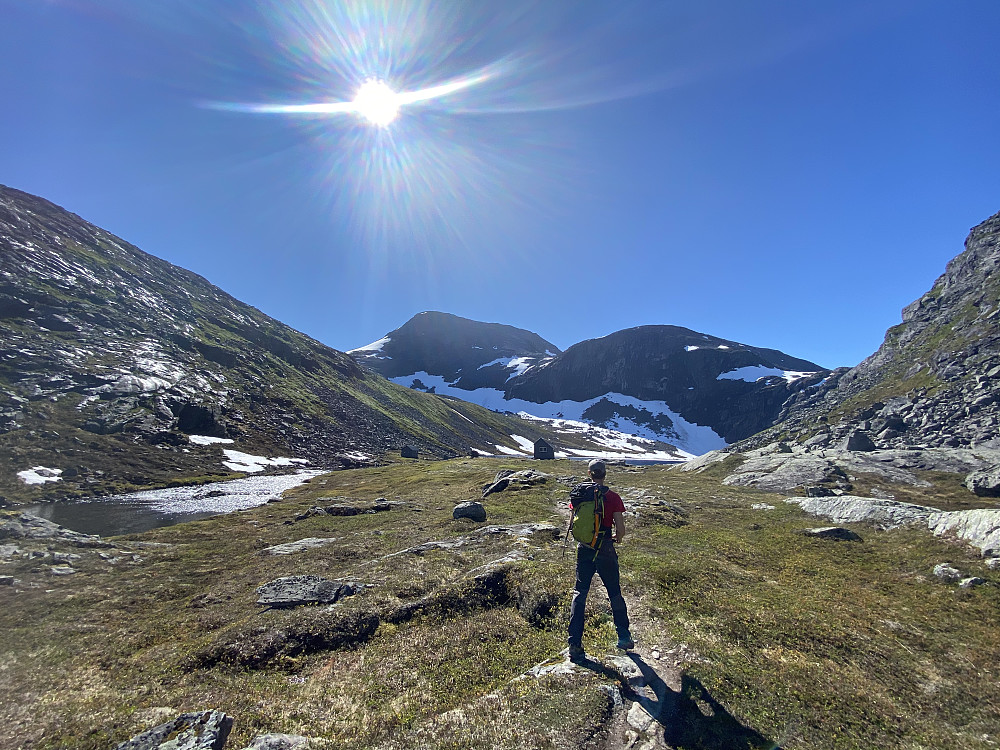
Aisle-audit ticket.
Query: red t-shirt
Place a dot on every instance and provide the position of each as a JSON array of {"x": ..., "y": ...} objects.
[{"x": 612, "y": 504}]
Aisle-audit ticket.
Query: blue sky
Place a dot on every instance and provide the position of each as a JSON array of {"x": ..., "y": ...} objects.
[{"x": 788, "y": 174}]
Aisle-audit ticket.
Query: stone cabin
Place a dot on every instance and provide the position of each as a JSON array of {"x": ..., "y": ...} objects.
[
  {"x": 543, "y": 449},
  {"x": 408, "y": 451}
]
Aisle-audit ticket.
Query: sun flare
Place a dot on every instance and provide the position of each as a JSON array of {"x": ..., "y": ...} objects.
[{"x": 376, "y": 102}]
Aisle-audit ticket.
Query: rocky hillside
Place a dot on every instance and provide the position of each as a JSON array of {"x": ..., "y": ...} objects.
[
  {"x": 934, "y": 382},
  {"x": 689, "y": 389},
  {"x": 110, "y": 358}
]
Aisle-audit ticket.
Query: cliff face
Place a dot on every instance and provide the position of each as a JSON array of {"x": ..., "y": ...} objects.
[
  {"x": 109, "y": 357},
  {"x": 731, "y": 387},
  {"x": 936, "y": 378}
]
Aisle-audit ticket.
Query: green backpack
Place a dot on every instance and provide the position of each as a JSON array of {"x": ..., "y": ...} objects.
[{"x": 588, "y": 508}]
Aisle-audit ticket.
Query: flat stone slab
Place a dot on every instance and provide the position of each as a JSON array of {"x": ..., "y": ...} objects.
[
  {"x": 979, "y": 527},
  {"x": 290, "y": 548},
  {"x": 886, "y": 514},
  {"x": 293, "y": 591}
]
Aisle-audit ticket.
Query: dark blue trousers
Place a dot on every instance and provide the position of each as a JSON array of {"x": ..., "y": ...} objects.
[{"x": 606, "y": 566}]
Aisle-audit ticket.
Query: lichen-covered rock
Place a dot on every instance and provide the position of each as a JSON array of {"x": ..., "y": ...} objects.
[{"x": 200, "y": 730}]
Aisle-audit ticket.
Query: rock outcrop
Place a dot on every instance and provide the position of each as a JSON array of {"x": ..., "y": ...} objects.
[
  {"x": 979, "y": 527},
  {"x": 200, "y": 730},
  {"x": 934, "y": 382}
]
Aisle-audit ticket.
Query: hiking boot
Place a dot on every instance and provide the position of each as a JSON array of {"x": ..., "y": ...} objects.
[
  {"x": 625, "y": 643},
  {"x": 576, "y": 653}
]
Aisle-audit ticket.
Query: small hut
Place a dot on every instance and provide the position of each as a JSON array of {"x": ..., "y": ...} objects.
[
  {"x": 543, "y": 449},
  {"x": 408, "y": 451}
]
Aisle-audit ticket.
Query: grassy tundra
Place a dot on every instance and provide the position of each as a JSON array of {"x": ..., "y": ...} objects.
[{"x": 766, "y": 636}]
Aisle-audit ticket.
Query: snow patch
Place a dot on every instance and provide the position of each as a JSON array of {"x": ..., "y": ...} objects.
[
  {"x": 753, "y": 373},
  {"x": 208, "y": 440},
  {"x": 245, "y": 462},
  {"x": 39, "y": 475},
  {"x": 509, "y": 451},
  {"x": 372, "y": 349},
  {"x": 528, "y": 445}
]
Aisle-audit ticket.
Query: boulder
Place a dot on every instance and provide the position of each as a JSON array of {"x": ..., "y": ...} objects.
[
  {"x": 946, "y": 572},
  {"x": 6, "y": 580},
  {"x": 498, "y": 486},
  {"x": 200, "y": 730},
  {"x": 984, "y": 483},
  {"x": 28, "y": 526},
  {"x": 837, "y": 533},
  {"x": 859, "y": 441},
  {"x": 342, "y": 509},
  {"x": 968, "y": 583},
  {"x": 292, "y": 591},
  {"x": 471, "y": 509}
]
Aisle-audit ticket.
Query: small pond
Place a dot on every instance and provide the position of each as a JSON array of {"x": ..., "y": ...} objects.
[{"x": 142, "y": 511}]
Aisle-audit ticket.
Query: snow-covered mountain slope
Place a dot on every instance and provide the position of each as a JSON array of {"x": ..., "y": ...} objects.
[{"x": 665, "y": 383}]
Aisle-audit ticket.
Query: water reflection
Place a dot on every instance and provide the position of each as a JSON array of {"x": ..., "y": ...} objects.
[{"x": 142, "y": 511}]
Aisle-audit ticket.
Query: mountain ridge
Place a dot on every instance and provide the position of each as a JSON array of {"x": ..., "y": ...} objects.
[{"x": 665, "y": 382}]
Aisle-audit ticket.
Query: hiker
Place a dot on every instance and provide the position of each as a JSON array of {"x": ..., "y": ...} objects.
[{"x": 598, "y": 557}]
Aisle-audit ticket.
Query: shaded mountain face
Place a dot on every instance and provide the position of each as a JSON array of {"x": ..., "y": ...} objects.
[
  {"x": 667, "y": 383},
  {"x": 935, "y": 381},
  {"x": 468, "y": 354},
  {"x": 110, "y": 357}
]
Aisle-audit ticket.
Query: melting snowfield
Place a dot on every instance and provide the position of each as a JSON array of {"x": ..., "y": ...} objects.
[{"x": 694, "y": 439}]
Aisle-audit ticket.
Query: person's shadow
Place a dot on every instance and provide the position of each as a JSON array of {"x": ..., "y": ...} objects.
[{"x": 690, "y": 719}]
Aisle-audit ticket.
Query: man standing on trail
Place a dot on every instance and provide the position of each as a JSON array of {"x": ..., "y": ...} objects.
[{"x": 600, "y": 558}]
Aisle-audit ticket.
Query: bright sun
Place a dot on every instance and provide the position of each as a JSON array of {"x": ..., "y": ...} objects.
[{"x": 376, "y": 102}]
